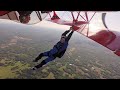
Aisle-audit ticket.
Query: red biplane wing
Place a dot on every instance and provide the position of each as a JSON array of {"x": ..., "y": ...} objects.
[
  {"x": 71, "y": 22},
  {"x": 108, "y": 38},
  {"x": 81, "y": 20},
  {"x": 8, "y": 15},
  {"x": 35, "y": 16}
]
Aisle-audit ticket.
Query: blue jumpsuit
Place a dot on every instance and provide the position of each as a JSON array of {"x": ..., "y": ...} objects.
[
  {"x": 54, "y": 50},
  {"x": 58, "y": 49}
]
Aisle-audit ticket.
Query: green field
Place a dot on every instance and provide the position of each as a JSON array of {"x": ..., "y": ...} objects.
[{"x": 84, "y": 58}]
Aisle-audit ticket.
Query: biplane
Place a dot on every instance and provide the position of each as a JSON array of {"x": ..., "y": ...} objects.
[{"x": 79, "y": 20}]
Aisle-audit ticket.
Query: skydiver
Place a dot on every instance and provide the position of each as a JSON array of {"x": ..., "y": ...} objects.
[
  {"x": 57, "y": 51},
  {"x": 24, "y": 16}
]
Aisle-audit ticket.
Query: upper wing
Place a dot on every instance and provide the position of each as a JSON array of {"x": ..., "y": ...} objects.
[
  {"x": 35, "y": 16},
  {"x": 109, "y": 37},
  {"x": 95, "y": 29},
  {"x": 67, "y": 18},
  {"x": 11, "y": 15}
]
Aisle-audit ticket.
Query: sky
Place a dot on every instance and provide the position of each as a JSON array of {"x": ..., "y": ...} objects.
[{"x": 113, "y": 20}]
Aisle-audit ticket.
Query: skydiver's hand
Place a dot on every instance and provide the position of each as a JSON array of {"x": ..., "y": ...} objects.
[
  {"x": 70, "y": 28},
  {"x": 67, "y": 31}
]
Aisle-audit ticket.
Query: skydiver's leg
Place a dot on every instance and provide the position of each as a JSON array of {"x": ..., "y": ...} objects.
[
  {"x": 41, "y": 55},
  {"x": 69, "y": 36},
  {"x": 44, "y": 62}
]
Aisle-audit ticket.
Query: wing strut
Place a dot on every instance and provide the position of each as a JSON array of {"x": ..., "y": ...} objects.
[
  {"x": 39, "y": 16},
  {"x": 103, "y": 20},
  {"x": 55, "y": 16}
]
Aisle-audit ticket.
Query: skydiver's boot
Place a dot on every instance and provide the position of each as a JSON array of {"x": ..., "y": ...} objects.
[
  {"x": 39, "y": 57},
  {"x": 39, "y": 65}
]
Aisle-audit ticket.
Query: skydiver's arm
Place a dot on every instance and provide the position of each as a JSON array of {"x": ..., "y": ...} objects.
[
  {"x": 64, "y": 34},
  {"x": 69, "y": 36}
]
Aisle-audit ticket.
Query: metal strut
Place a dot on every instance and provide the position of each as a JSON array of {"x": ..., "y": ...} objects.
[
  {"x": 88, "y": 21},
  {"x": 39, "y": 15}
]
